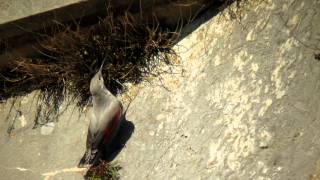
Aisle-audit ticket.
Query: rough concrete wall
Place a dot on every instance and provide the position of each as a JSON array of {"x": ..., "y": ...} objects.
[
  {"x": 51, "y": 151},
  {"x": 246, "y": 106},
  {"x": 16, "y": 9},
  {"x": 242, "y": 103}
]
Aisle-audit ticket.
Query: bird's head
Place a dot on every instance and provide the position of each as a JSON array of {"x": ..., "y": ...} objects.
[{"x": 97, "y": 82}]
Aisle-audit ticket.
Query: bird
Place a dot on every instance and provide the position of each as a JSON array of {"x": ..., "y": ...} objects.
[{"x": 105, "y": 119}]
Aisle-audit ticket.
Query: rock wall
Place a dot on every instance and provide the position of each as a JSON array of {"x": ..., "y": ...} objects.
[
  {"x": 241, "y": 102},
  {"x": 245, "y": 107}
]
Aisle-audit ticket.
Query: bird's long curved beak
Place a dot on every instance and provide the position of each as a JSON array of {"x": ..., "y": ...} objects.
[
  {"x": 100, "y": 70},
  {"x": 102, "y": 64}
]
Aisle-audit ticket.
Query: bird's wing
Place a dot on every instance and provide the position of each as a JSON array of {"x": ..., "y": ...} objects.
[
  {"x": 95, "y": 135},
  {"x": 92, "y": 153},
  {"x": 104, "y": 125},
  {"x": 111, "y": 121}
]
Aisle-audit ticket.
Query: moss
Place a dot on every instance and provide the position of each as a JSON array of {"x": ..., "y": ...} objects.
[{"x": 104, "y": 171}]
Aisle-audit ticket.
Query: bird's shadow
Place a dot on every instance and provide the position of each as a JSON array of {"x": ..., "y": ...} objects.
[
  {"x": 125, "y": 131},
  {"x": 111, "y": 151}
]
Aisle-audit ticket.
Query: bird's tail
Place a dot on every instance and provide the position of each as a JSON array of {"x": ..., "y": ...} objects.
[{"x": 90, "y": 158}]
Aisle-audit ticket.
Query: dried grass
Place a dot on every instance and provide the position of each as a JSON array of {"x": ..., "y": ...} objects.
[{"x": 69, "y": 59}]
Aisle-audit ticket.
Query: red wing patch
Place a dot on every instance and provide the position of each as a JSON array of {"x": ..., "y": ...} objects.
[{"x": 112, "y": 126}]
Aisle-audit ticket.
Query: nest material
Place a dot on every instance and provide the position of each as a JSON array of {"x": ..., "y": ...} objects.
[
  {"x": 103, "y": 171},
  {"x": 70, "y": 58}
]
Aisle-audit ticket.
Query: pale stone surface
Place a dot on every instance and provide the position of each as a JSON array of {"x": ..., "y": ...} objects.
[
  {"x": 242, "y": 103},
  {"x": 16, "y": 9},
  {"x": 246, "y": 106},
  {"x": 47, "y": 128},
  {"x": 48, "y": 151}
]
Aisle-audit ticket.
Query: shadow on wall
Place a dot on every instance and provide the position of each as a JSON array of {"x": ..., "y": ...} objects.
[
  {"x": 112, "y": 150},
  {"x": 125, "y": 131},
  {"x": 217, "y": 7}
]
